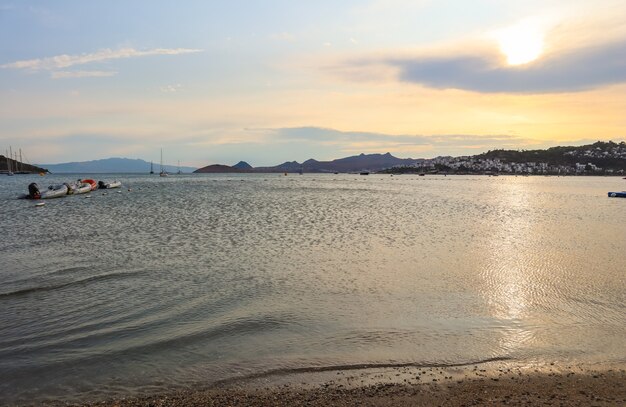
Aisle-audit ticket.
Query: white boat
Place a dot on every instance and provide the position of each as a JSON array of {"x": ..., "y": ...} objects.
[
  {"x": 82, "y": 188},
  {"x": 109, "y": 184},
  {"x": 54, "y": 191}
]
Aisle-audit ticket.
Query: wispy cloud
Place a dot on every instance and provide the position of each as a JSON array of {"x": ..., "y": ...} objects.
[
  {"x": 66, "y": 61},
  {"x": 81, "y": 74},
  {"x": 357, "y": 142},
  {"x": 171, "y": 88}
]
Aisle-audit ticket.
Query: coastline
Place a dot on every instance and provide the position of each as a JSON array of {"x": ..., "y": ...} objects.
[{"x": 490, "y": 384}]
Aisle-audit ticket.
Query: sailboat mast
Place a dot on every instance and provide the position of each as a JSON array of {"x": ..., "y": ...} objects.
[{"x": 21, "y": 165}]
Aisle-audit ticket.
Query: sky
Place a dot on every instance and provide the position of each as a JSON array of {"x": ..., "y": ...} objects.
[{"x": 277, "y": 80}]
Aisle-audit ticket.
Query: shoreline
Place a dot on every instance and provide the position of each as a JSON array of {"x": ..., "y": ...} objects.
[{"x": 490, "y": 384}]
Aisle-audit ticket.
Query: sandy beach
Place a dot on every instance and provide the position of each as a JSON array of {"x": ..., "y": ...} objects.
[{"x": 475, "y": 385}]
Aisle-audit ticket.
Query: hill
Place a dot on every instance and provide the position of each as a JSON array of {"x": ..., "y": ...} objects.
[
  {"x": 242, "y": 165},
  {"x": 18, "y": 167},
  {"x": 607, "y": 155},
  {"x": 600, "y": 158},
  {"x": 219, "y": 169},
  {"x": 357, "y": 163},
  {"x": 112, "y": 165}
]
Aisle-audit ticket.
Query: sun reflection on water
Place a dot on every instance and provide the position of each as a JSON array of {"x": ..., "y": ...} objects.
[{"x": 507, "y": 273}]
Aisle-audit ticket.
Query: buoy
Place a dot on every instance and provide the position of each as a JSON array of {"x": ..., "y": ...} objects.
[{"x": 129, "y": 189}]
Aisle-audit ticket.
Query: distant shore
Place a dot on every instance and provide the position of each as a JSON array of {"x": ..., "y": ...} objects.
[{"x": 473, "y": 385}]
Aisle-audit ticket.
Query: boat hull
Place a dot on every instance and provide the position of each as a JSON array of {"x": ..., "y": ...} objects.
[
  {"x": 617, "y": 194},
  {"x": 109, "y": 185},
  {"x": 91, "y": 182},
  {"x": 56, "y": 191},
  {"x": 82, "y": 189}
]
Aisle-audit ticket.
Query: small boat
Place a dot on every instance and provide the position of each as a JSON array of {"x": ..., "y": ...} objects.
[
  {"x": 91, "y": 182},
  {"x": 82, "y": 188},
  {"x": 109, "y": 184},
  {"x": 617, "y": 194},
  {"x": 364, "y": 173},
  {"x": 54, "y": 191}
]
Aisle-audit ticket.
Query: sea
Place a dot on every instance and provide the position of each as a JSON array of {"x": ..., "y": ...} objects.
[{"x": 196, "y": 279}]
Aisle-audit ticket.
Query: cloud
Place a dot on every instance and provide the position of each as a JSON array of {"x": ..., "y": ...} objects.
[
  {"x": 357, "y": 142},
  {"x": 66, "y": 61},
  {"x": 81, "y": 74},
  {"x": 171, "y": 88},
  {"x": 571, "y": 70},
  {"x": 548, "y": 53}
]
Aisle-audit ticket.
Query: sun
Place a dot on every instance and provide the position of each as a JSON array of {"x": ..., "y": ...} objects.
[{"x": 521, "y": 43}]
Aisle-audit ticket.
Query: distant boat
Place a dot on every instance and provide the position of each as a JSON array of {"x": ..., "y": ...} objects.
[
  {"x": 422, "y": 174},
  {"x": 151, "y": 168},
  {"x": 364, "y": 173},
  {"x": 178, "y": 172},
  {"x": 617, "y": 194}
]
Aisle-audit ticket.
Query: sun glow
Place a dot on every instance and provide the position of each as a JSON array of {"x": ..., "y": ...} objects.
[{"x": 521, "y": 43}]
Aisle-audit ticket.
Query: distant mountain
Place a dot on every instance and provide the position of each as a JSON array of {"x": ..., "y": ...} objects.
[
  {"x": 242, "y": 165},
  {"x": 357, "y": 163},
  {"x": 219, "y": 169},
  {"x": 112, "y": 165}
]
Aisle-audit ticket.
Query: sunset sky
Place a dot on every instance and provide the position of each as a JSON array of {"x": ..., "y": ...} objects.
[{"x": 276, "y": 80}]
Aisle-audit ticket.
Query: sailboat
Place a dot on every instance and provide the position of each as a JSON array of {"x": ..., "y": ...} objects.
[
  {"x": 151, "y": 168},
  {"x": 9, "y": 172},
  {"x": 163, "y": 173}
]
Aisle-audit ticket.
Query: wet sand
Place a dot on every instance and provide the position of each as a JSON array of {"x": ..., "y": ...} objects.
[{"x": 410, "y": 386}]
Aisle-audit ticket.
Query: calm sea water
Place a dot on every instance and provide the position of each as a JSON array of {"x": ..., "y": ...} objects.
[{"x": 195, "y": 279}]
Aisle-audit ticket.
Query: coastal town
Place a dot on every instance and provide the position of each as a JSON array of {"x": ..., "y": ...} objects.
[{"x": 601, "y": 158}]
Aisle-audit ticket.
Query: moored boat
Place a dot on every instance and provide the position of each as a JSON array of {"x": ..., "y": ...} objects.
[
  {"x": 617, "y": 194},
  {"x": 54, "y": 191},
  {"x": 109, "y": 184},
  {"x": 91, "y": 182},
  {"x": 82, "y": 188}
]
